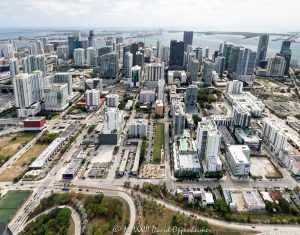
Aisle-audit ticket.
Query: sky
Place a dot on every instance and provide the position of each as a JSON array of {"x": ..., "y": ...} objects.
[{"x": 202, "y": 15}]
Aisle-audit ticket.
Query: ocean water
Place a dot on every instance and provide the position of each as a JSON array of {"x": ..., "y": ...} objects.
[{"x": 210, "y": 41}]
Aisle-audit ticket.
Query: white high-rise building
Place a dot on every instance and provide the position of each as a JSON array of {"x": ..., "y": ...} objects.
[
  {"x": 64, "y": 78},
  {"x": 79, "y": 57},
  {"x": 113, "y": 119},
  {"x": 241, "y": 117},
  {"x": 147, "y": 96},
  {"x": 92, "y": 98},
  {"x": 90, "y": 54},
  {"x": 135, "y": 79},
  {"x": 14, "y": 67},
  {"x": 138, "y": 128},
  {"x": 8, "y": 51},
  {"x": 208, "y": 139},
  {"x": 193, "y": 68},
  {"x": 274, "y": 136},
  {"x": 112, "y": 100},
  {"x": 33, "y": 63},
  {"x": 128, "y": 62},
  {"x": 56, "y": 97},
  {"x": 234, "y": 87},
  {"x": 276, "y": 66},
  {"x": 161, "y": 89},
  {"x": 40, "y": 47},
  {"x": 28, "y": 88},
  {"x": 153, "y": 73}
]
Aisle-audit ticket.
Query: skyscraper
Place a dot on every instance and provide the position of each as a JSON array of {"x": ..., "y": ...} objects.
[
  {"x": 262, "y": 48},
  {"x": 206, "y": 54},
  {"x": 56, "y": 97},
  {"x": 92, "y": 99},
  {"x": 191, "y": 95},
  {"x": 64, "y": 78},
  {"x": 153, "y": 73},
  {"x": 79, "y": 57},
  {"x": 207, "y": 72},
  {"x": 226, "y": 53},
  {"x": 90, "y": 54},
  {"x": 161, "y": 87},
  {"x": 176, "y": 53},
  {"x": 14, "y": 67},
  {"x": 109, "y": 66},
  {"x": 208, "y": 139},
  {"x": 188, "y": 38},
  {"x": 219, "y": 65},
  {"x": 128, "y": 61},
  {"x": 165, "y": 54},
  {"x": 33, "y": 63},
  {"x": 276, "y": 66},
  {"x": 193, "y": 68},
  {"x": 28, "y": 88},
  {"x": 286, "y": 52},
  {"x": 199, "y": 54},
  {"x": 158, "y": 49},
  {"x": 91, "y": 39},
  {"x": 135, "y": 77},
  {"x": 73, "y": 44}
]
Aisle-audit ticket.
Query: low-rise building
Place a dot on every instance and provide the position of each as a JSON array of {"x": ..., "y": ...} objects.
[
  {"x": 291, "y": 159},
  {"x": 253, "y": 201},
  {"x": 248, "y": 137},
  {"x": 159, "y": 108},
  {"x": 34, "y": 123},
  {"x": 47, "y": 154},
  {"x": 185, "y": 156},
  {"x": 74, "y": 166},
  {"x": 177, "y": 77},
  {"x": 230, "y": 201},
  {"x": 238, "y": 158}
]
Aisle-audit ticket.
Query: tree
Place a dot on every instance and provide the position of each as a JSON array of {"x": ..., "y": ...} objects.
[
  {"x": 196, "y": 119},
  {"x": 179, "y": 197},
  {"x": 284, "y": 205},
  {"x": 269, "y": 205}
]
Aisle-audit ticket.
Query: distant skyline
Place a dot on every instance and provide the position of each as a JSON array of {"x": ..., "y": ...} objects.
[{"x": 203, "y": 15}]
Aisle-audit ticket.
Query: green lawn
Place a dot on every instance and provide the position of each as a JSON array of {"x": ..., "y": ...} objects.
[
  {"x": 11, "y": 202},
  {"x": 159, "y": 141}
]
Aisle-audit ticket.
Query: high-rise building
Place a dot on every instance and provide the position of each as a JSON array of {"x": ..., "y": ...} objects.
[
  {"x": 262, "y": 48},
  {"x": 91, "y": 39},
  {"x": 219, "y": 65},
  {"x": 73, "y": 44},
  {"x": 128, "y": 61},
  {"x": 8, "y": 51},
  {"x": 178, "y": 118},
  {"x": 135, "y": 47},
  {"x": 49, "y": 48},
  {"x": 165, "y": 54},
  {"x": 92, "y": 99},
  {"x": 276, "y": 66},
  {"x": 56, "y": 97},
  {"x": 234, "y": 87},
  {"x": 139, "y": 59},
  {"x": 176, "y": 53},
  {"x": 90, "y": 56},
  {"x": 64, "y": 77},
  {"x": 191, "y": 95},
  {"x": 119, "y": 39},
  {"x": 79, "y": 57},
  {"x": 39, "y": 47},
  {"x": 28, "y": 88},
  {"x": 158, "y": 49},
  {"x": 286, "y": 53},
  {"x": 161, "y": 89},
  {"x": 112, "y": 100},
  {"x": 207, "y": 72},
  {"x": 153, "y": 73},
  {"x": 193, "y": 68},
  {"x": 274, "y": 136},
  {"x": 138, "y": 128},
  {"x": 188, "y": 38},
  {"x": 109, "y": 66},
  {"x": 104, "y": 50},
  {"x": 208, "y": 140},
  {"x": 33, "y": 63},
  {"x": 206, "y": 54},
  {"x": 135, "y": 78},
  {"x": 94, "y": 83},
  {"x": 113, "y": 119},
  {"x": 199, "y": 54},
  {"x": 147, "y": 96},
  {"x": 227, "y": 52},
  {"x": 240, "y": 116},
  {"x": 14, "y": 67}
]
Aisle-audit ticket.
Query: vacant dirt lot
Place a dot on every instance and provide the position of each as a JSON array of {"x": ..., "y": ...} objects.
[{"x": 261, "y": 166}]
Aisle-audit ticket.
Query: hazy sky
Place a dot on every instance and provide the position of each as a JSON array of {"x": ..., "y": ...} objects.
[{"x": 246, "y": 15}]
